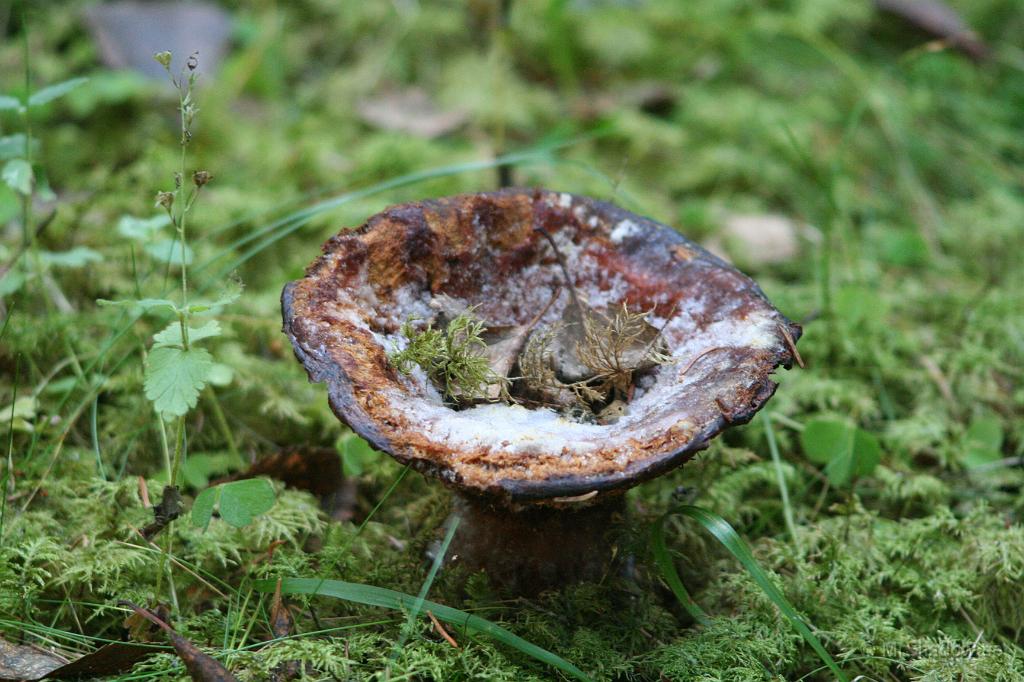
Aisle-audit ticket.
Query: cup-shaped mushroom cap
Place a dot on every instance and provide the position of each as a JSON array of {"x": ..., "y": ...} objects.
[{"x": 344, "y": 318}]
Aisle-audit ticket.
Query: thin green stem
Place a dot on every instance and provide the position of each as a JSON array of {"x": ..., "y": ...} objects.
[
  {"x": 787, "y": 508},
  {"x": 417, "y": 606},
  {"x": 179, "y": 452},
  {"x": 222, "y": 422},
  {"x": 183, "y": 213},
  {"x": 165, "y": 567},
  {"x": 9, "y": 469},
  {"x": 787, "y": 421},
  {"x": 94, "y": 431},
  {"x": 26, "y": 203},
  {"x": 163, "y": 446},
  {"x": 183, "y": 323}
]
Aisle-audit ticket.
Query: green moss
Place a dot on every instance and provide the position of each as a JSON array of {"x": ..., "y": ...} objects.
[{"x": 452, "y": 357}]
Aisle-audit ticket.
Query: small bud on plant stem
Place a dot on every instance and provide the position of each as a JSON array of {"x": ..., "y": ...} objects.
[
  {"x": 163, "y": 58},
  {"x": 201, "y": 177},
  {"x": 165, "y": 199}
]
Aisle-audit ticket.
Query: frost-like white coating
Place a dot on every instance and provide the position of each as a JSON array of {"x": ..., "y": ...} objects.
[{"x": 623, "y": 231}]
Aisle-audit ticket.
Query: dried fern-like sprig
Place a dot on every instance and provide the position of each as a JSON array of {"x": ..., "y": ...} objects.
[
  {"x": 535, "y": 360},
  {"x": 617, "y": 345},
  {"x": 540, "y": 377}
]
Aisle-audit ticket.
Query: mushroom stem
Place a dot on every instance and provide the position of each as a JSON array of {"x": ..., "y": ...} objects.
[{"x": 530, "y": 548}]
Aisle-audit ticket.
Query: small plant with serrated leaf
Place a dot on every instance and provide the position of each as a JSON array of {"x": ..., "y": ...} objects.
[{"x": 178, "y": 367}]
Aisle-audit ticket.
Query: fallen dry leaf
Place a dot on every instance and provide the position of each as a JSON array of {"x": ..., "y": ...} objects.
[
  {"x": 115, "y": 658},
  {"x": 503, "y": 344},
  {"x": 939, "y": 20},
  {"x": 282, "y": 624},
  {"x": 594, "y": 352},
  {"x": 27, "y": 663},
  {"x": 128, "y": 33},
  {"x": 409, "y": 111},
  {"x": 201, "y": 666}
]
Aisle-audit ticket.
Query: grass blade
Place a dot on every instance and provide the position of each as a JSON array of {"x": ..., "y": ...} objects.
[
  {"x": 780, "y": 475},
  {"x": 284, "y": 226},
  {"x": 422, "y": 596},
  {"x": 390, "y": 599},
  {"x": 730, "y": 539},
  {"x": 668, "y": 571}
]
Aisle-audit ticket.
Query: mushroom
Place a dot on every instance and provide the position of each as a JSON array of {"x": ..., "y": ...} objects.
[{"x": 538, "y": 492}]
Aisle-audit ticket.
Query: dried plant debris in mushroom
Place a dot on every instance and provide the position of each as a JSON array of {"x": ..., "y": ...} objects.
[
  {"x": 467, "y": 359},
  {"x": 588, "y": 366},
  {"x": 431, "y": 261},
  {"x": 584, "y": 366},
  {"x": 588, "y": 361}
]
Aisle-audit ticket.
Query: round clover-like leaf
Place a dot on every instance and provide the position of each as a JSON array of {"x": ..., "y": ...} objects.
[
  {"x": 242, "y": 501},
  {"x": 238, "y": 502},
  {"x": 845, "y": 450}
]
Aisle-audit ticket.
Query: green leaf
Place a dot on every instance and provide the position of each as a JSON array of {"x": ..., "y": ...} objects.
[
  {"x": 174, "y": 377},
  {"x": 202, "y": 508},
  {"x": 140, "y": 304},
  {"x": 229, "y": 295},
  {"x": 242, "y": 501},
  {"x": 10, "y": 204},
  {"x": 824, "y": 439},
  {"x": 11, "y": 281},
  {"x": 730, "y": 539},
  {"x": 171, "y": 334},
  {"x": 13, "y": 146},
  {"x": 221, "y": 374},
  {"x": 399, "y": 601},
  {"x": 983, "y": 441},
  {"x": 668, "y": 571},
  {"x": 199, "y": 467},
  {"x": 846, "y": 450},
  {"x": 73, "y": 258},
  {"x": 238, "y": 502},
  {"x": 985, "y": 432},
  {"x": 7, "y": 102},
  {"x": 106, "y": 87},
  {"x": 867, "y": 452},
  {"x": 169, "y": 251},
  {"x": 24, "y": 407},
  {"x": 17, "y": 173},
  {"x": 142, "y": 229},
  {"x": 52, "y": 92},
  {"x": 356, "y": 454}
]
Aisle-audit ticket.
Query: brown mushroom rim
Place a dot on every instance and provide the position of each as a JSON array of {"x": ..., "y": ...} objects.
[{"x": 344, "y": 317}]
